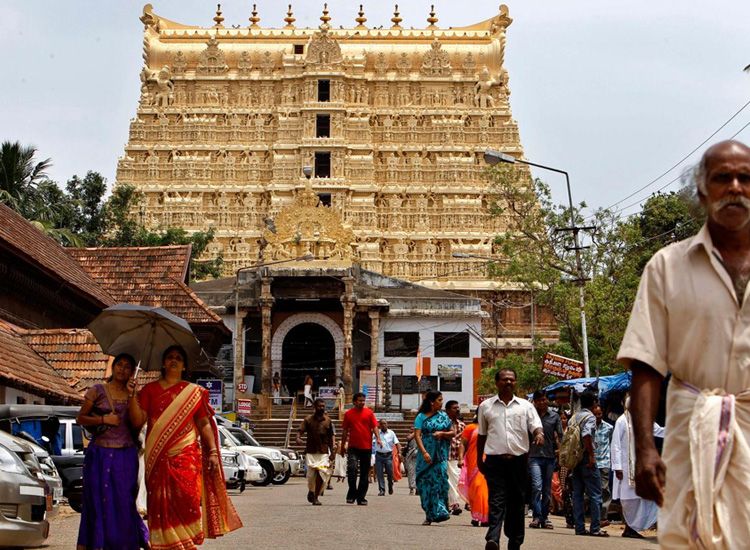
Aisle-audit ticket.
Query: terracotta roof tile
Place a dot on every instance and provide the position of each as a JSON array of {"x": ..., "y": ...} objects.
[
  {"x": 75, "y": 355},
  {"x": 22, "y": 368},
  {"x": 27, "y": 242},
  {"x": 152, "y": 276}
]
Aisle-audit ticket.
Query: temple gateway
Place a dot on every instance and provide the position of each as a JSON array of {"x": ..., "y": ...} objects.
[{"x": 342, "y": 171}]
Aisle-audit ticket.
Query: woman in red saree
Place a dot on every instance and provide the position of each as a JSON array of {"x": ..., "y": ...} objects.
[
  {"x": 471, "y": 482},
  {"x": 187, "y": 499}
]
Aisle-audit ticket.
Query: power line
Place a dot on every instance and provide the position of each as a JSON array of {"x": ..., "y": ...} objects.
[{"x": 683, "y": 159}]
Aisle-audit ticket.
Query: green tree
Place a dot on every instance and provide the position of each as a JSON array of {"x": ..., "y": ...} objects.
[
  {"x": 541, "y": 258},
  {"x": 20, "y": 172}
]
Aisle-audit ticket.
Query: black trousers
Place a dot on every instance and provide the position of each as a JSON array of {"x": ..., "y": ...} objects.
[
  {"x": 358, "y": 458},
  {"x": 506, "y": 481}
]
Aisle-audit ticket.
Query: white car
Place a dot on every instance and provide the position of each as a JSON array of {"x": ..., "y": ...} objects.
[
  {"x": 254, "y": 471},
  {"x": 271, "y": 460},
  {"x": 292, "y": 457}
]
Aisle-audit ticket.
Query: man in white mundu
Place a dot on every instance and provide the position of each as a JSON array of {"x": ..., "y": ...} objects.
[{"x": 691, "y": 318}]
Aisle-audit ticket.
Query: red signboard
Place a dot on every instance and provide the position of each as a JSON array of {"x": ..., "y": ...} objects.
[
  {"x": 561, "y": 367},
  {"x": 244, "y": 407}
]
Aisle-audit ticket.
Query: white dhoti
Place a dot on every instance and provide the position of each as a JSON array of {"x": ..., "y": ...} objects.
[
  {"x": 454, "y": 497},
  {"x": 317, "y": 465},
  {"x": 707, "y": 456}
]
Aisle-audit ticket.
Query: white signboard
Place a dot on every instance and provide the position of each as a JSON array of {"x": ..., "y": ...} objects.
[{"x": 215, "y": 393}]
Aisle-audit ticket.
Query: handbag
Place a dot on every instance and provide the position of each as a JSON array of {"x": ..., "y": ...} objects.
[
  {"x": 339, "y": 469},
  {"x": 98, "y": 429}
]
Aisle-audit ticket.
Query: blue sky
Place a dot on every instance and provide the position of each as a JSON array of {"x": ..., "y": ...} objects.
[{"x": 613, "y": 92}]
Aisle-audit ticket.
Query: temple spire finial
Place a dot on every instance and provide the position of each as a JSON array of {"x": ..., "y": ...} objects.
[
  {"x": 396, "y": 19},
  {"x": 325, "y": 18},
  {"x": 289, "y": 19},
  {"x": 432, "y": 19},
  {"x": 361, "y": 20},
  {"x": 254, "y": 19},
  {"x": 218, "y": 19}
]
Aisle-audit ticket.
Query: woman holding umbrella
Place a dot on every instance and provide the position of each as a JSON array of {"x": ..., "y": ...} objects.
[
  {"x": 110, "y": 518},
  {"x": 183, "y": 470}
]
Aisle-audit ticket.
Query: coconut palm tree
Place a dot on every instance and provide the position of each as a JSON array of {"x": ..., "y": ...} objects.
[{"x": 19, "y": 174}]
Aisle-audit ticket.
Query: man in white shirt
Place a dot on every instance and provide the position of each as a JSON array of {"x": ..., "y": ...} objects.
[
  {"x": 691, "y": 318},
  {"x": 505, "y": 422},
  {"x": 384, "y": 456}
]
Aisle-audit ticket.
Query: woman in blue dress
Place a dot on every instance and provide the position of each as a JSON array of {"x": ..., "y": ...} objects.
[{"x": 433, "y": 432}]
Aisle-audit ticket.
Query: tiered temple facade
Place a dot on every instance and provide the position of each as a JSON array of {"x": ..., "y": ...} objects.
[{"x": 393, "y": 122}]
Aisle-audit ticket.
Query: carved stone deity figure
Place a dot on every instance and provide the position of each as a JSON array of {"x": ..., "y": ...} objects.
[
  {"x": 436, "y": 62},
  {"x": 244, "y": 63},
  {"x": 483, "y": 90}
]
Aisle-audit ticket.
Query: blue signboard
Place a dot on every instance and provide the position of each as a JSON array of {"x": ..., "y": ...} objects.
[{"x": 215, "y": 392}]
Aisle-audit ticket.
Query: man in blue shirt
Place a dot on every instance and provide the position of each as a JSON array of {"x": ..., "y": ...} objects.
[
  {"x": 384, "y": 456},
  {"x": 542, "y": 462},
  {"x": 602, "y": 441}
]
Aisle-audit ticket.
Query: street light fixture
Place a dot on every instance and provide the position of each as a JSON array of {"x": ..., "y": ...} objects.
[
  {"x": 492, "y": 158},
  {"x": 307, "y": 171},
  {"x": 239, "y": 359}
]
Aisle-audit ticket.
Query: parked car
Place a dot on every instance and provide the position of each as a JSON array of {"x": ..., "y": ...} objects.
[
  {"x": 234, "y": 465},
  {"x": 46, "y": 465},
  {"x": 271, "y": 460},
  {"x": 293, "y": 459},
  {"x": 53, "y": 428},
  {"x": 23, "y": 501}
]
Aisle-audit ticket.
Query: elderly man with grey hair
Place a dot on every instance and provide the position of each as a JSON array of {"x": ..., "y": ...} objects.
[{"x": 691, "y": 318}]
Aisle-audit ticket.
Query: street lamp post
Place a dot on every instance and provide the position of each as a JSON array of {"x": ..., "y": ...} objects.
[{"x": 495, "y": 157}]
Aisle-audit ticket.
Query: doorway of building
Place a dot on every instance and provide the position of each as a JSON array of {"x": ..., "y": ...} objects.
[{"x": 308, "y": 349}]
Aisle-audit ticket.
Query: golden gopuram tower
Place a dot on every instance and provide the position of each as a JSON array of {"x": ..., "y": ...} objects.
[{"x": 393, "y": 122}]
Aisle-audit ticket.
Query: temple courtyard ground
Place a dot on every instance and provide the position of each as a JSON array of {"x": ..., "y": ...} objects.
[{"x": 280, "y": 517}]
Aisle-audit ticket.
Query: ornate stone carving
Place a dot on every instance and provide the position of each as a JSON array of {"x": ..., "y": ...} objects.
[
  {"x": 436, "y": 62},
  {"x": 323, "y": 50},
  {"x": 469, "y": 65},
  {"x": 244, "y": 63},
  {"x": 266, "y": 63},
  {"x": 307, "y": 227},
  {"x": 211, "y": 60},
  {"x": 179, "y": 63},
  {"x": 483, "y": 90},
  {"x": 381, "y": 64},
  {"x": 164, "y": 94},
  {"x": 403, "y": 65}
]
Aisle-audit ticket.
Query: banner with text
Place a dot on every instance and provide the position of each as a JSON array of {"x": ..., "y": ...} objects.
[{"x": 561, "y": 367}]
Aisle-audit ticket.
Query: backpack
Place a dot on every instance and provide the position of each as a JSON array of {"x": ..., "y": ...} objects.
[{"x": 571, "y": 448}]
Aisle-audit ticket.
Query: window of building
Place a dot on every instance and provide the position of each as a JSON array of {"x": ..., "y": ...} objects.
[
  {"x": 299, "y": 49},
  {"x": 324, "y": 90},
  {"x": 325, "y": 199},
  {"x": 452, "y": 344},
  {"x": 323, "y": 164},
  {"x": 322, "y": 126},
  {"x": 401, "y": 344}
]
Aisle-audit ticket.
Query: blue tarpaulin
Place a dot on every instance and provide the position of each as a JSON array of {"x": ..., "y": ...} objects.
[{"x": 607, "y": 384}]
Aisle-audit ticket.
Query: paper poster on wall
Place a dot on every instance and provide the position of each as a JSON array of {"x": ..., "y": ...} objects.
[
  {"x": 368, "y": 386},
  {"x": 450, "y": 377}
]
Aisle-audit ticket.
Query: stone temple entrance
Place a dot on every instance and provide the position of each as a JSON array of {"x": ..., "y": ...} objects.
[{"x": 308, "y": 349}]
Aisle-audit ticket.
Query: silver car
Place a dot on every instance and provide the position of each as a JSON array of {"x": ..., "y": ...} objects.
[
  {"x": 23, "y": 498},
  {"x": 47, "y": 466}
]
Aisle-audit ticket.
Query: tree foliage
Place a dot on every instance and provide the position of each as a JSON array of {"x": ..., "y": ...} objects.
[
  {"x": 82, "y": 215},
  {"x": 542, "y": 258}
]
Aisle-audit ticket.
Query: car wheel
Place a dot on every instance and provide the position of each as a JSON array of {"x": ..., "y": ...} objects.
[
  {"x": 282, "y": 477},
  {"x": 76, "y": 502},
  {"x": 267, "y": 475}
]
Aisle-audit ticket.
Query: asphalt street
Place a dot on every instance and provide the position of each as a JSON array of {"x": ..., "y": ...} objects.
[{"x": 280, "y": 517}]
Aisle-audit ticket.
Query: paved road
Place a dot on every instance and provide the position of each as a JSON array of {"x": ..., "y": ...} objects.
[{"x": 280, "y": 517}]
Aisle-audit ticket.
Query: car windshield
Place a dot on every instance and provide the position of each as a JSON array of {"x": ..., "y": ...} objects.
[
  {"x": 230, "y": 440},
  {"x": 245, "y": 438}
]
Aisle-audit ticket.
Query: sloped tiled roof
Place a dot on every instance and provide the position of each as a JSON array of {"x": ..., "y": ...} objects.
[
  {"x": 24, "y": 369},
  {"x": 75, "y": 355},
  {"x": 152, "y": 276},
  {"x": 27, "y": 242}
]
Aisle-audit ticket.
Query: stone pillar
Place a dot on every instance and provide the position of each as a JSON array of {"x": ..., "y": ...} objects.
[
  {"x": 266, "y": 305},
  {"x": 348, "y": 302},
  {"x": 374, "y": 337},
  {"x": 239, "y": 351}
]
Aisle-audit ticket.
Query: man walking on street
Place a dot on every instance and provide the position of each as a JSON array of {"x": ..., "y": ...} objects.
[
  {"x": 586, "y": 474},
  {"x": 320, "y": 450},
  {"x": 691, "y": 318},
  {"x": 358, "y": 429},
  {"x": 505, "y": 422},
  {"x": 384, "y": 457},
  {"x": 542, "y": 462},
  {"x": 455, "y": 458},
  {"x": 602, "y": 444}
]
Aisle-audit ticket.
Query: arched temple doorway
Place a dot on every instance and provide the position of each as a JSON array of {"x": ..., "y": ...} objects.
[
  {"x": 308, "y": 348},
  {"x": 294, "y": 353}
]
